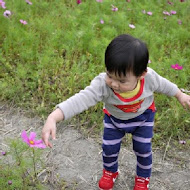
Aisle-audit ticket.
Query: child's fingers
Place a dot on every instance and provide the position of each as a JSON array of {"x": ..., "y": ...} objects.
[
  {"x": 53, "y": 133},
  {"x": 45, "y": 137}
]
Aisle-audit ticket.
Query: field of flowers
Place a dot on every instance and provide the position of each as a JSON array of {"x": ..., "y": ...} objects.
[{"x": 51, "y": 49}]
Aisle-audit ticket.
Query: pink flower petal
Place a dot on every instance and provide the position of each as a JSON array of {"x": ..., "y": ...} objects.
[
  {"x": 28, "y": 2},
  {"x": 149, "y": 13},
  {"x": 166, "y": 13},
  {"x": 2, "y": 4},
  {"x": 132, "y": 26},
  {"x": 102, "y": 21},
  {"x": 173, "y": 12},
  {"x": 170, "y": 3},
  {"x": 32, "y": 136},
  {"x": 79, "y": 2},
  {"x": 177, "y": 67},
  {"x": 25, "y": 137},
  {"x": 7, "y": 13},
  {"x": 182, "y": 142},
  {"x": 114, "y": 8}
]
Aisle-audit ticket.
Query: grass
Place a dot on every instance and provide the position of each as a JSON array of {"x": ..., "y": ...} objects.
[{"x": 61, "y": 50}]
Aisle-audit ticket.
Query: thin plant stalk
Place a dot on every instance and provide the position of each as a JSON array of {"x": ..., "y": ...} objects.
[{"x": 34, "y": 164}]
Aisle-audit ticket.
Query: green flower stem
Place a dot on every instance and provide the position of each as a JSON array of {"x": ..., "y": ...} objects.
[{"x": 34, "y": 164}]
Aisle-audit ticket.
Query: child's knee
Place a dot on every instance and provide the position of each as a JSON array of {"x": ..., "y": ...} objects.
[
  {"x": 142, "y": 147},
  {"x": 110, "y": 149}
]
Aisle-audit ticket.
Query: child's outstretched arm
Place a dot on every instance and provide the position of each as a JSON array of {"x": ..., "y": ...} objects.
[
  {"x": 183, "y": 98},
  {"x": 50, "y": 126}
]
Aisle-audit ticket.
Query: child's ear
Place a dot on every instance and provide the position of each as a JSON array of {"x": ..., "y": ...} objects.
[{"x": 143, "y": 75}]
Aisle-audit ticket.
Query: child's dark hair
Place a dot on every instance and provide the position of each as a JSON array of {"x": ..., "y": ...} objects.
[{"x": 126, "y": 54}]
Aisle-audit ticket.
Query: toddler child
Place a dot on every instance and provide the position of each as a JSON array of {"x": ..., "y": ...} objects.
[{"x": 127, "y": 90}]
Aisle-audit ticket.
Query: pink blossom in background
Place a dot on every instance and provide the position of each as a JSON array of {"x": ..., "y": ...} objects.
[
  {"x": 3, "y": 153},
  {"x": 100, "y": 1},
  {"x": 102, "y": 21},
  {"x": 2, "y": 4},
  {"x": 10, "y": 182},
  {"x": 132, "y": 26},
  {"x": 166, "y": 13},
  {"x": 128, "y": 1},
  {"x": 23, "y": 22},
  {"x": 149, "y": 13},
  {"x": 177, "y": 67},
  {"x": 179, "y": 22},
  {"x": 28, "y": 2},
  {"x": 79, "y": 1},
  {"x": 7, "y": 13},
  {"x": 182, "y": 142},
  {"x": 170, "y": 3},
  {"x": 114, "y": 8},
  {"x": 173, "y": 12},
  {"x": 31, "y": 140},
  {"x": 149, "y": 61},
  {"x": 182, "y": 0}
]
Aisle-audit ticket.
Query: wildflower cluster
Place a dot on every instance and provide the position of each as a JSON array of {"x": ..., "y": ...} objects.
[
  {"x": 18, "y": 150},
  {"x": 8, "y": 13}
]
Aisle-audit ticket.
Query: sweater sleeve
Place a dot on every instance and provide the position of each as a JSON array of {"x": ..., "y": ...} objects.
[
  {"x": 162, "y": 85},
  {"x": 84, "y": 99}
]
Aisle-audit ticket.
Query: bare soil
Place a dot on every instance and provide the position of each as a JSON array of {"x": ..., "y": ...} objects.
[{"x": 75, "y": 162}]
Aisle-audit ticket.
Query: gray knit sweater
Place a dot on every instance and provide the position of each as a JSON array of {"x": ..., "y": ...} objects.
[{"x": 98, "y": 91}]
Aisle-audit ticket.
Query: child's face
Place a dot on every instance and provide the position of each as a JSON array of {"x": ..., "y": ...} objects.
[{"x": 120, "y": 84}]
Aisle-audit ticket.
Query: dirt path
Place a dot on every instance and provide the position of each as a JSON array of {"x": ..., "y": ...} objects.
[{"x": 77, "y": 160}]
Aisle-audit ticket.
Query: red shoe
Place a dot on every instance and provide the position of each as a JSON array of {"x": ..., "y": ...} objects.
[
  {"x": 141, "y": 183},
  {"x": 107, "y": 180}
]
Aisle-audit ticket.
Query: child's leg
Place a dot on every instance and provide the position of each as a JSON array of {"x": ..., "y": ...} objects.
[
  {"x": 142, "y": 145},
  {"x": 111, "y": 145}
]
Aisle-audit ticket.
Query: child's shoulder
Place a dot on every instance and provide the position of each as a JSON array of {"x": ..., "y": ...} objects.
[{"x": 151, "y": 72}]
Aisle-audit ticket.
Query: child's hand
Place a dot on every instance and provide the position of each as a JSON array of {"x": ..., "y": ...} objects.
[
  {"x": 50, "y": 126},
  {"x": 184, "y": 99}
]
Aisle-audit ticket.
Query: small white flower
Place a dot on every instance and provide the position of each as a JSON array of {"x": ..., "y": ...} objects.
[
  {"x": 132, "y": 26},
  {"x": 7, "y": 13}
]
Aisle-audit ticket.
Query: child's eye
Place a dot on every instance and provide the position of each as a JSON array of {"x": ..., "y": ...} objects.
[
  {"x": 122, "y": 81},
  {"x": 109, "y": 76}
]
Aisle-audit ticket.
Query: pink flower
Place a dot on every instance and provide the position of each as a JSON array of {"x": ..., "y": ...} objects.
[
  {"x": 3, "y": 153},
  {"x": 170, "y": 3},
  {"x": 7, "y": 13},
  {"x": 132, "y": 26},
  {"x": 128, "y": 1},
  {"x": 173, "y": 12},
  {"x": 2, "y": 4},
  {"x": 28, "y": 2},
  {"x": 102, "y": 21},
  {"x": 23, "y": 22},
  {"x": 114, "y": 8},
  {"x": 100, "y": 1},
  {"x": 31, "y": 140},
  {"x": 149, "y": 13},
  {"x": 166, "y": 13},
  {"x": 182, "y": 142},
  {"x": 179, "y": 22},
  {"x": 10, "y": 182},
  {"x": 177, "y": 67},
  {"x": 79, "y": 1},
  {"x": 149, "y": 61}
]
